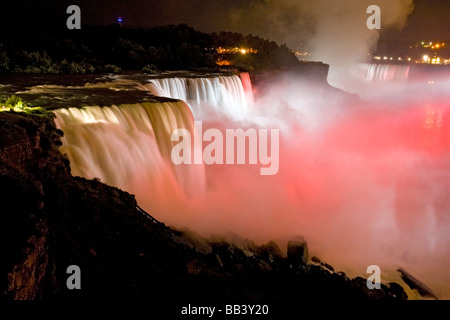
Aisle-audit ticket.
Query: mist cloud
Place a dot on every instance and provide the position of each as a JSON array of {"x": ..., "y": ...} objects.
[
  {"x": 341, "y": 36},
  {"x": 334, "y": 31}
]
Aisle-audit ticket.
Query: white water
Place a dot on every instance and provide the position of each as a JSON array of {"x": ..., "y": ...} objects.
[
  {"x": 370, "y": 81},
  {"x": 129, "y": 146},
  {"x": 175, "y": 88},
  {"x": 381, "y": 72},
  {"x": 224, "y": 94}
]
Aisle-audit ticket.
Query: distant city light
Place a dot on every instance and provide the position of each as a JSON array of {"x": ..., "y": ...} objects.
[
  {"x": 235, "y": 50},
  {"x": 426, "y": 58},
  {"x": 436, "y": 61}
]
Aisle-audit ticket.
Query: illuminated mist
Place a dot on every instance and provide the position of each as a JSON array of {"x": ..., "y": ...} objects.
[
  {"x": 365, "y": 182},
  {"x": 341, "y": 38}
]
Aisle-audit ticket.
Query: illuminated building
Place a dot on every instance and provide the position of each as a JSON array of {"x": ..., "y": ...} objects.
[{"x": 235, "y": 50}]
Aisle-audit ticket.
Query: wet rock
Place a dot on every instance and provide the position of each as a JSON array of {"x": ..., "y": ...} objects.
[
  {"x": 329, "y": 267},
  {"x": 297, "y": 251},
  {"x": 316, "y": 260},
  {"x": 264, "y": 266},
  {"x": 245, "y": 246},
  {"x": 25, "y": 279},
  {"x": 343, "y": 275},
  {"x": 413, "y": 283},
  {"x": 270, "y": 252},
  {"x": 195, "y": 241},
  {"x": 372, "y": 294},
  {"x": 219, "y": 261},
  {"x": 397, "y": 291},
  {"x": 194, "y": 266}
]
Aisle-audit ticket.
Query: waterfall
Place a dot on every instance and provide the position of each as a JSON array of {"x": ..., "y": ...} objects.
[
  {"x": 231, "y": 95},
  {"x": 174, "y": 88},
  {"x": 247, "y": 85},
  {"x": 129, "y": 146},
  {"x": 382, "y": 72}
]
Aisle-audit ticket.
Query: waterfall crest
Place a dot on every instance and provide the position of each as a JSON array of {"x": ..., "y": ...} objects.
[
  {"x": 382, "y": 72},
  {"x": 228, "y": 94}
]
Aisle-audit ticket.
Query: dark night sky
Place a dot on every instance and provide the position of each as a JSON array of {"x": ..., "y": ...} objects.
[{"x": 429, "y": 21}]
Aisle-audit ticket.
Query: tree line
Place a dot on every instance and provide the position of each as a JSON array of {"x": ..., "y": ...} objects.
[{"x": 113, "y": 48}]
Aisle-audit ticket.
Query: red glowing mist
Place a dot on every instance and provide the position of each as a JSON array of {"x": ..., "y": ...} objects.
[{"x": 363, "y": 183}]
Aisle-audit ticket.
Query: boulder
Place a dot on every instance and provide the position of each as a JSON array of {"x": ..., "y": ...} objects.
[
  {"x": 413, "y": 283},
  {"x": 297, "y": 251}
]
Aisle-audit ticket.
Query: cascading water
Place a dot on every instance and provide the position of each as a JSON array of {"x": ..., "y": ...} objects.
[
  {"x": 382, "y": 72},
  {"x": 174, "y": 88},
  {"x": 129, "y": 146},
  {"x": 247, "y": 86},
  {"x": 137, "y": 154},
  {"x": 227, "y": 94}
]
